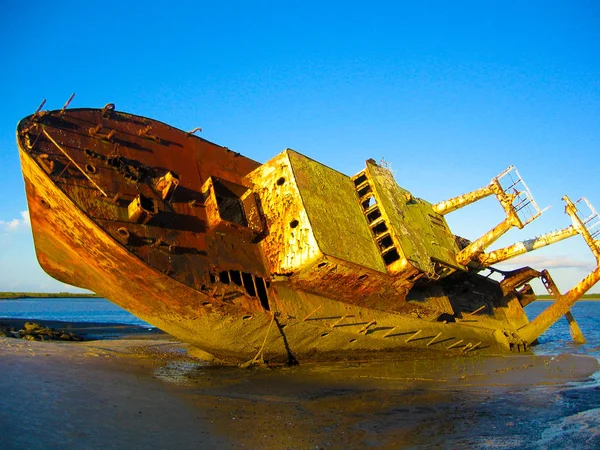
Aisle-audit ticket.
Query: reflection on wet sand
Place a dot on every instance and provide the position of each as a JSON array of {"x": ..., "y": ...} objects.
[
  {"x": 143, "y": 391},
  {"x": 502, "y": 402}
]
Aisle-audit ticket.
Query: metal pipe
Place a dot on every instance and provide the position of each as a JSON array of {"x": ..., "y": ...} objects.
[
  {"x": 496, "y": 256},
  {"x": 581, "y": 228},
  {"x": 365, "y": 329},
  {"x": 456, "y": 344},
  {"x": 434, "y": 339},
  {"x": 576, "y": 333},
  {"x": 460, "y": 201},
  {"x": 390, "y": 331},
  {"x": 414, "y": 336},
  {"x": 66, "y": 105},
  {"x": 493, "y": 187},
  {"x": 560, "y": 307},
  {"x": 341, "y": 319},
  {"x": 39, "y": 107},
  {"x": 476, "y": 247},
  {"x": 481, "y": 308},
  {"x": 311, "y": 313}
]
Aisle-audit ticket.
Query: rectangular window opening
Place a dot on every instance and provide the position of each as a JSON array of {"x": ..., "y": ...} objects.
[
  {"x": 374, "y": 215},
  {"x": 364, "y": 191},
  {"x": 390, "y": 257},
  {"x": 380, "y": 229},
  {"x": 146, "y": 203},
  {"x": 368, "y": 203},
  {"x": 386, "y": 242},
  {"x": 229, "y": 202},
  {"x": 360, "y": 180}
]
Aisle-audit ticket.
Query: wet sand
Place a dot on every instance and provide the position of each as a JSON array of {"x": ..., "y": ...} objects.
[{"x": 137, "y": 388}]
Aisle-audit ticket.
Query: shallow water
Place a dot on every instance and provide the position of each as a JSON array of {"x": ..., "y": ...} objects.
[
  {"x": 511, "y": 402},
  {"x": 520, "y": 401},
  {"x": 97, "y": 310},
  {"x": 548, "y": 400},
  {"x": 557, "y": 338}
]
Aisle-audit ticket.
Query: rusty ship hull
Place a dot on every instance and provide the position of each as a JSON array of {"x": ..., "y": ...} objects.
[{"x": 282, "y": 262}]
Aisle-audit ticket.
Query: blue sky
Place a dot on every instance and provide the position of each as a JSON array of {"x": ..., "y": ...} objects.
[{"x": 448, "y": 93}]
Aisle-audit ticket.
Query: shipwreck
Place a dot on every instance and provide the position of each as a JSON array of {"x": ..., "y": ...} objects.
[{"x": 284, "y": 261}]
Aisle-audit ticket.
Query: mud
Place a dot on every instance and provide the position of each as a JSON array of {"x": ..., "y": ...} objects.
[{"x": 145, "y": 392}]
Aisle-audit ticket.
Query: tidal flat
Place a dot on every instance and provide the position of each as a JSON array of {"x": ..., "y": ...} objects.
[{"x": 137, "y": 388}]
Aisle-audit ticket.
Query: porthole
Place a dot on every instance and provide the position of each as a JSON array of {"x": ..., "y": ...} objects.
[
  {"x": 280, "y": 181},
  {"x": 123, "y": 232},
  {"x": 91, "y": 168},
  {"x": 294, "y": 223}
]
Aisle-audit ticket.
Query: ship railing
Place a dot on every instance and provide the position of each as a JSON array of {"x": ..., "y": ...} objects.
[
  {"x": 510, "y": 190},
  {"x": 515, "y": 198},
  {"x": 523, "y": 205}
]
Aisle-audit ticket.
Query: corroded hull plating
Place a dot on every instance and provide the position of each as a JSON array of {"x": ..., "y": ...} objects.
[{"x": 183, "y": 234}]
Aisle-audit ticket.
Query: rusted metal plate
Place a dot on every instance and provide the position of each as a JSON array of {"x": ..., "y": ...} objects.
[{"x": 289, "y": 259}]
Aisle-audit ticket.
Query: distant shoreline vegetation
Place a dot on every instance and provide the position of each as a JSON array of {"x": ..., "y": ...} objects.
[
  {"x": 583, "y": 297},
  {"x": 19, "y": 295}
]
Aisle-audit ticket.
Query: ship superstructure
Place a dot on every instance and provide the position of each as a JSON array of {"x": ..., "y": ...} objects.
[{"x": 289, "y": 260}]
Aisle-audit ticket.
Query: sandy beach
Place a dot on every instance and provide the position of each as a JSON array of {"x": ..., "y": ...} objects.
[{"x": 129, "y": 387}]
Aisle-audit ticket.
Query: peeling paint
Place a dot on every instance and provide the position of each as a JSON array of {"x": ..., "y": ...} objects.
[{"x": 215, "y": 248}]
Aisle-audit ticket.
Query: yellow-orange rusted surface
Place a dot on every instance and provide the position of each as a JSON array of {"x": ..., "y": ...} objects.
[
  {"x": 287, "y": 261},
  {"x": 503, "y": 254},
  {"x": 563, "y": 303}
]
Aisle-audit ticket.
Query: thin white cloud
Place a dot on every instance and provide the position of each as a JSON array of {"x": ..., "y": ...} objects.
[
  {"x": 16, "y": 223},
  {"x": 545, "y": 262}
]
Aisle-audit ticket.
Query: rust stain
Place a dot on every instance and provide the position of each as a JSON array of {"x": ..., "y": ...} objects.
[{"x": 222, "y": 251}]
